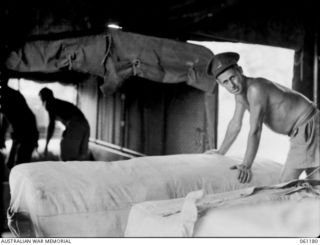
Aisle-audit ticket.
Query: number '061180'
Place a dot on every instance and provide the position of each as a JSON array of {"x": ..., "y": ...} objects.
[{"x": 309, "y": 240}]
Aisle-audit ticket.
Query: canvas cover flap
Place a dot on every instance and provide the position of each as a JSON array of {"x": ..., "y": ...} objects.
[{"x": 115, "y": 56}]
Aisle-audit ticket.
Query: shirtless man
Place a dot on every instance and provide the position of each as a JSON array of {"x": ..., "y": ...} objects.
[
  {"x": 281, "y": 109},
  {"x": 75, "y": 138}
]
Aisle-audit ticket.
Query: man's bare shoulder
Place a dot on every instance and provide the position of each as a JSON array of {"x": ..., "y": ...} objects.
[
  {"x": 259, "y": 83},
  {"x": 257, "y": 87}
]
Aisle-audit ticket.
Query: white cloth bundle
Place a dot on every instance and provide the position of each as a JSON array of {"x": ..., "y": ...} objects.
[
  {"x": 93, "y": 199},
  {"x": 288, "y": 210}
]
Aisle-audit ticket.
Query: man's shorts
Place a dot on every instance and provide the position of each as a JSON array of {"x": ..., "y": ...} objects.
[
  {"x": 75, "y": 139},
  {"x": 305, "y": 145}
]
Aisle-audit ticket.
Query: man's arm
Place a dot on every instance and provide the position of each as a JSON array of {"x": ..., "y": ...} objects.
[
  {"x": 257, "y": 105},
  {"x": 256, "y": 120},
  {"x": 51, "y": 126},
  {"x": 233, "y": 129}
]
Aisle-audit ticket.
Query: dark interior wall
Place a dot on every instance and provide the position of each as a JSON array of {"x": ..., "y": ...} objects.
[
  {"x": 87, "y": 101},
  {"x": 168, "y": 118},
  {"x": 186, "y": 124},
  {"x": 317, "y": 70},
  {"x": 109, "y": 118},
  {"x": 151, "y": 118},
  {"x": 174, "y": 19},
  {"x": 303, "y": 72},
  {"x": 145, "y": 115},
  {"x": 248, "y": 27},
  {"x": 306, "y": 67}
]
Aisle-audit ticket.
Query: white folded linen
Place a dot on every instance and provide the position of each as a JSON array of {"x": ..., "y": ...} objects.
[
  {"x": 288, "y": 210},
  {"x": 93, "y": 199}
]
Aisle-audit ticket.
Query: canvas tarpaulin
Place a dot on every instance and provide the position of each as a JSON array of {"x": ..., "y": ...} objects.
[{"x": 116, "y": 56}]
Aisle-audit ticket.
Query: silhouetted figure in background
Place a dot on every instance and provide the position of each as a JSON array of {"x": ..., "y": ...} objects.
[
  {"x": 75, "y": 138},
  {"x": 25, "y": 134}
]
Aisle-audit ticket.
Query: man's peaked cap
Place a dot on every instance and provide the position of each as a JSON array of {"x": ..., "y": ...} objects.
[{"x": 221, "y": 62}]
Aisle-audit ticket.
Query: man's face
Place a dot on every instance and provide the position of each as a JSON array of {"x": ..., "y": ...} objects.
[{"x": 231, "y": 79}]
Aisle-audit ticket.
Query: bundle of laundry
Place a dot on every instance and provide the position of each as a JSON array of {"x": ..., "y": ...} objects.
[
  {"x": 93, "y": 199},
  {"x": 285, "y": 210}
]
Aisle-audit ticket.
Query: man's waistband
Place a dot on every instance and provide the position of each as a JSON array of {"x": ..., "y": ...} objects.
[{"x": 304, "y": 119}]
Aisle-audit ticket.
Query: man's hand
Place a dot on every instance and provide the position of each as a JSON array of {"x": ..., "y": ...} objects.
[
  {"x": 212, "y": 151},
  {"x": 244, "y": 173}
]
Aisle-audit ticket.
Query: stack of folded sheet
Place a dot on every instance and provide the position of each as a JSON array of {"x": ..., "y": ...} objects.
[
  {"x": 286, "y": 210},
  {"x": 93, "y": 199}
]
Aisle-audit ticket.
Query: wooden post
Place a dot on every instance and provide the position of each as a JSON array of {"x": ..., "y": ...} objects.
[
  {"x": 2, "y": 159},
  {"x": 315, "y": 71},
  {"x": 211, "y": 107}
]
